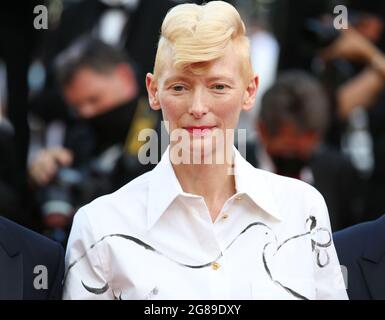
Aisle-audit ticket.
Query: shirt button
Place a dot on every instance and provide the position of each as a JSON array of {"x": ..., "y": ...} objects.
[
  {"x": 215, "y": 265},
  {"x": 225, "y": 216}
]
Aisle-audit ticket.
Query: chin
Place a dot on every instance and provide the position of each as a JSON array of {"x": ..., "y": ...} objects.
[
  {"x": 203, "y": 153},
  {"x": 204, "y": 149}
]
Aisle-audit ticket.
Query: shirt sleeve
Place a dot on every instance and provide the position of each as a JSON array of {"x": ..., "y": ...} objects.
[
  {"x": 328, "y": 275},
  {"x": 84, "y": 277}
]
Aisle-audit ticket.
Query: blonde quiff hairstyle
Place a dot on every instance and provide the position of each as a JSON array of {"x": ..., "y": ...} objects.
[{"x": 195, "y": 34}]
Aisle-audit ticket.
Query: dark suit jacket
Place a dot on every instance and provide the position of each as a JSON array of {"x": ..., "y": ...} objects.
[
  {"x": 361, "y": 249},
  {"x": 21, "y": 250}
]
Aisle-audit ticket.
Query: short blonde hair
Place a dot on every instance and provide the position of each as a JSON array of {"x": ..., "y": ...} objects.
[{"x": 193, "y": 34}]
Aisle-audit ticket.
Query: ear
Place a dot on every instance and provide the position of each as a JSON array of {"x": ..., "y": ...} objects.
[
  {"x": 152, "y": 90},
  {"x": 250, "y": 93}
]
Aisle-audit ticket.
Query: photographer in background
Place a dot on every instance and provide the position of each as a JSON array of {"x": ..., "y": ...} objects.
[{"x": 99, "y": 83}]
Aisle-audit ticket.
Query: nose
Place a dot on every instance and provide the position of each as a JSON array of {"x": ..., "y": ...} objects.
[{"x": 199, "y": 104}]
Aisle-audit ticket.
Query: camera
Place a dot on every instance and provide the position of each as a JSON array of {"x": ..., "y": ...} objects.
[{"x": 72, "y": 188}]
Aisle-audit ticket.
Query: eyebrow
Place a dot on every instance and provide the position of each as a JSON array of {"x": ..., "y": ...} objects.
[
  {"x": 175, "y": 79},
  {"x": 213, "y": 78},
  {"x": 221, "y": 78}
]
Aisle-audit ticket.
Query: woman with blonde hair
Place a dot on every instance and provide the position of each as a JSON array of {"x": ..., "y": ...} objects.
[{"x": 204, "y": 224}]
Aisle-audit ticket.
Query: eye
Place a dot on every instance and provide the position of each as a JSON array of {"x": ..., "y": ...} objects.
[
  {"x": 178, "y": 87},
  {"x": 219, "y": 87}
]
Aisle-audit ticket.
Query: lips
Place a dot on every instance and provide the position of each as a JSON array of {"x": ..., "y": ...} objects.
[{"x": 199, "y": 130}]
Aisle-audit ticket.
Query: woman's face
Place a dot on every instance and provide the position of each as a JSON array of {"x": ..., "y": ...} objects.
[{"x": 199, "y": 108}]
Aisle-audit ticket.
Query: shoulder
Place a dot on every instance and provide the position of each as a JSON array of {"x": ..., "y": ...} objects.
[
  {"x": 293, "y": 200},
  {"x": 286, "y": 188},
  {"x": 354, "y": 233},
  {"x": 14, "y": 238},
  {"x": 127, "y": 204},
  {"x": 357, "y": 236},
  {"x": 131, "y": 193},
  {"x": 352, "y": 244}
]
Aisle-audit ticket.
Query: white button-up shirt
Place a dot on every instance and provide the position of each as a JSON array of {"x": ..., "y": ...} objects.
[{"x": 152, "y": 240}]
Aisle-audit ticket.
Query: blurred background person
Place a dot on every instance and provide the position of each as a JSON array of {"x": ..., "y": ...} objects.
[
  {"x": 356, "y": 56},
  {"x": 291, "y": 123},
  {"x": 99, "y": 150},
  {"x": 130, "y": 25}
]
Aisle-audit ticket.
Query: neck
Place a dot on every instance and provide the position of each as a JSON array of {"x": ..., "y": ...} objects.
[{"x": 212, "y": 181}]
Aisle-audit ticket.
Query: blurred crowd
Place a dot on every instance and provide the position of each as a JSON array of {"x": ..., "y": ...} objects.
[{"x": 73, "y": 101}]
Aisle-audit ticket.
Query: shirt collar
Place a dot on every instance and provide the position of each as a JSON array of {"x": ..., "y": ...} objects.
[
  {"x": 255, "y": 184},
  {"x": 164, "y": 187}
]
